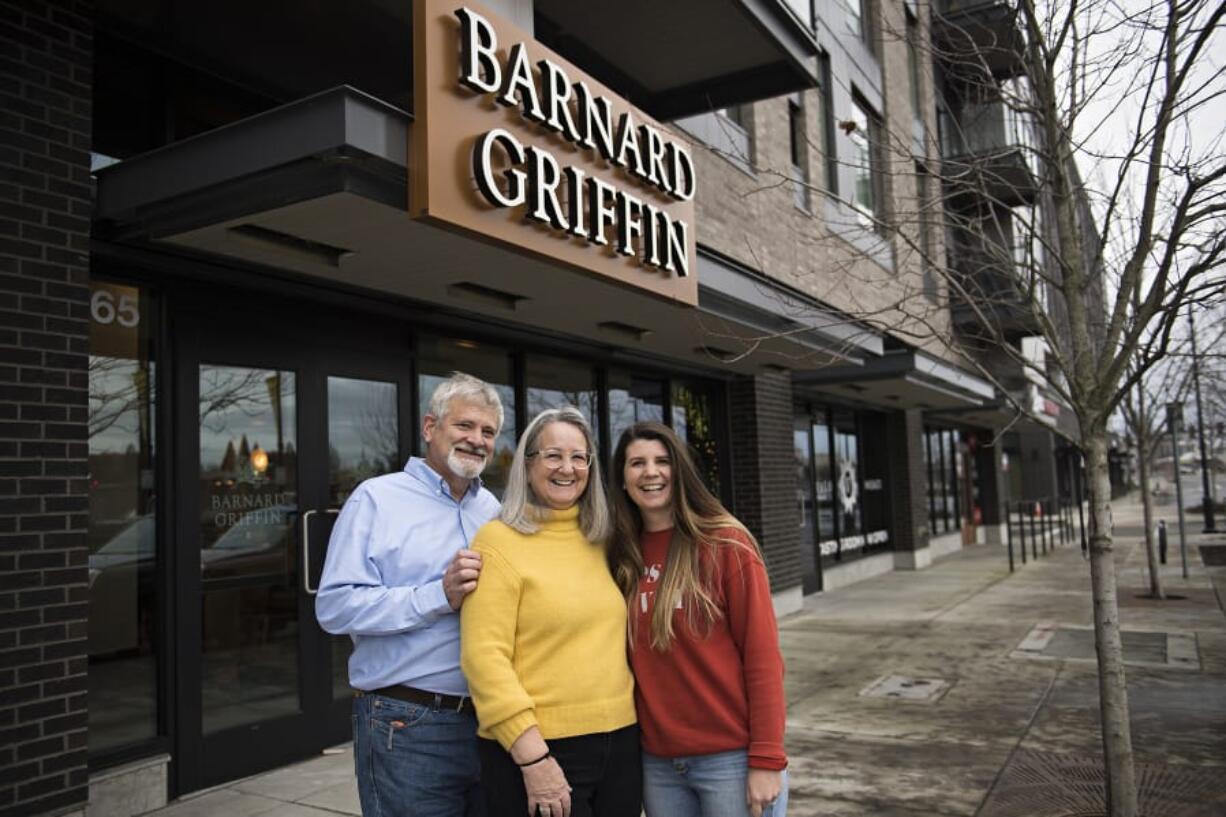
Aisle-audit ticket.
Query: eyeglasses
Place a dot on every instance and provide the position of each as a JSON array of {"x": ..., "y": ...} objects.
[{"x": 555, "y": 459}]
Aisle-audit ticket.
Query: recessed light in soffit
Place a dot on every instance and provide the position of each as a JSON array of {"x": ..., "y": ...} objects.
[
  {"x": 303, "y": 248},
  {"x": 623, "y": 331},
  {"x": 488, "y": 296}
]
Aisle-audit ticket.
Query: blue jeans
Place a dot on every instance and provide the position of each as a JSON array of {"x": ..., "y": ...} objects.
[
  {"x": 414, "y": 760},
  {"x": 702, "y": 786}
]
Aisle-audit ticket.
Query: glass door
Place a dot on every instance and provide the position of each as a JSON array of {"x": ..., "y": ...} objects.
[
  {"x": 276, "y": 429},
  {"x": 368, "y": 415},
  {"x": 248, "y": 511}
]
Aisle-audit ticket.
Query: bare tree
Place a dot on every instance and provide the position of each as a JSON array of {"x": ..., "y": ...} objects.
[
  {"x": 1122, "y": 255},
  {"x": 1098, "y": 268}
]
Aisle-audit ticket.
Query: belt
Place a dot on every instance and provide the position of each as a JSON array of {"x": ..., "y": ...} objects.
[{"x": 456, "y": 703}]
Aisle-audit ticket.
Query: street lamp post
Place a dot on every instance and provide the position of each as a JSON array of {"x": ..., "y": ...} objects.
[
  {"x": 1206, "y": 485},
  {"x": 1174, "y": 417}
]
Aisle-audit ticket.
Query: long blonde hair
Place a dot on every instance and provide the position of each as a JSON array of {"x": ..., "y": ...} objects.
[{"x": 700, "y": 522}]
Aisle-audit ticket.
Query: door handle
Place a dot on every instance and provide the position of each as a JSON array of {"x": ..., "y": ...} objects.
[{"x": 306, "y": 547}]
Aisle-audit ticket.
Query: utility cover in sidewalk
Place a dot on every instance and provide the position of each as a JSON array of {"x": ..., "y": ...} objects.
[
  {"x": 906, "y": 688},
  {"x": 1048, "y": 640}
]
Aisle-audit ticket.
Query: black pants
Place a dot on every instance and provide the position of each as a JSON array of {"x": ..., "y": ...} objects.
[{"x": 604, "y": 770}]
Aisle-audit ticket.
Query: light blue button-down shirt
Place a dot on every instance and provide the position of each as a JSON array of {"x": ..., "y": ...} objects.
[{"x": 383, "y": 578}]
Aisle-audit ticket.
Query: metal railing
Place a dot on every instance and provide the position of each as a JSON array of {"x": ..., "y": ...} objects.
[{"x": 1039, "y": 524}]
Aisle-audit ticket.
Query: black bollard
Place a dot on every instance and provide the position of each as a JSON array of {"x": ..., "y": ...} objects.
[{"x": 1162, "y": 541}]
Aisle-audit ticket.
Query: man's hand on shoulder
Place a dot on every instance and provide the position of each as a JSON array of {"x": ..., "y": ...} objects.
[{"x": 460, "y": 577}]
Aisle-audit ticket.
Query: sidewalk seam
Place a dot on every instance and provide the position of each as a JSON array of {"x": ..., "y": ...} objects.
[{"x": 1051, "y": 684}]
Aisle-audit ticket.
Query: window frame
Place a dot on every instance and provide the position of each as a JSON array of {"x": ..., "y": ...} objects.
[{"x": 864, "y": 138}]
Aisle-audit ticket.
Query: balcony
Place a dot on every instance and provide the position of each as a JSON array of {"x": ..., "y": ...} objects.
[
  {"x": 1004, "y": 314},
  {"x": 993, "y": 272},
  {"x": 686, "y": 57},
  {"x": 987, "y": 153},
  {"x": 977, "y": 36}
]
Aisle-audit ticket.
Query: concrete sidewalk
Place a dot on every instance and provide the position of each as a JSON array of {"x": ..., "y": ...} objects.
[{"x": 957, "y": 690}]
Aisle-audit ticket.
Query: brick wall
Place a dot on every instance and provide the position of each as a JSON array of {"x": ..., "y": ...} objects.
[
  {"x": 764, "y": 483},
  {"x": 908, "y": 479},
  {"x": 46, "y": 56}
]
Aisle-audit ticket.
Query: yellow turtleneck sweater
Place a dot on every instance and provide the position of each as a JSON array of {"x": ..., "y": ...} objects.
[{"x": 543, "y": 637}]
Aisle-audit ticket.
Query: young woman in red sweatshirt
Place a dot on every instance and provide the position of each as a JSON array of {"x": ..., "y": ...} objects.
[{"x": 703, "y": 641}]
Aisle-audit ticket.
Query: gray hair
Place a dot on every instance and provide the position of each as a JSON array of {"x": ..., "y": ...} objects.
[
  {"x": 464, "y": 387},
  {"x": 519, "y": 504}
]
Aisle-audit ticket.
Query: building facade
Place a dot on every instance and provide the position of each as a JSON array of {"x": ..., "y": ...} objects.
[{"x": 240, "y": 243}]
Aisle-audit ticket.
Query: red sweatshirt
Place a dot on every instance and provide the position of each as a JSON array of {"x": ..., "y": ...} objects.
[{"x": 721, "y": 692}]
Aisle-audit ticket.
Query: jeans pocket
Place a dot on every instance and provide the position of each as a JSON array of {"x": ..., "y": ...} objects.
[{"x": 389, "y": 719}]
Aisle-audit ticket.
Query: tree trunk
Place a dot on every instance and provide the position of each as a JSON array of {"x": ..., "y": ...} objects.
[
  {"x": 1151, "y": 547},
  {"x": 1112, "y": 689},
  {"x": 1147, "y": 499}
]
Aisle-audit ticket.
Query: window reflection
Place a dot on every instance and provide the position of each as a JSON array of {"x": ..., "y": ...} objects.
[
  {"x": 439, "y": 357},
  {"x": 363, "y": 442},
  {"x": 554, "y": 382},
  {"x": 945, "y": 479},
  {"x": 122, "y": 520},
  {"x": 850, "y": 461},
  {"x": 804, "y": 482},
  {"x": 631, "y": 400},
  {"x": 847, "y": 480},
  {"x": 363, "y": 434},
  {"x": 694, "y": 421},
  {"x": 823, "y": 483},
  {"x": 248, "y": 508}
]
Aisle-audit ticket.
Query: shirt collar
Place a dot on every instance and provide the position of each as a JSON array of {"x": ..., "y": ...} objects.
[{"x": 418, "y": 468}]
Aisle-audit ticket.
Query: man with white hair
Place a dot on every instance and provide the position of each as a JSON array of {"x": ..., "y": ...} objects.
[{"x": 397, "y": 571}]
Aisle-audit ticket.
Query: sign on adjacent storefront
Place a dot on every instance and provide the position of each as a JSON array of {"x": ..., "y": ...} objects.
[{"x": 513, "y": 144}]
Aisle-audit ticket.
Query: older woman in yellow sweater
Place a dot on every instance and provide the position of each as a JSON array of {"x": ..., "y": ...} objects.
[{"x": 543, "y": 639}]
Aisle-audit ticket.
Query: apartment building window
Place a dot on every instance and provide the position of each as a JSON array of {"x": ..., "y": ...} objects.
[
  {"x": 1028, "y": 251},
  {"x": 737, "y": 140},
  {"x": 827, "y": 124},
  {"x": 803, "y": 9},
  {"x": 737, "y": 114},
  {"x": 858, "y": 18},
  {"x": 866, "y": 193},
  {"x": 798, "y": 150}
]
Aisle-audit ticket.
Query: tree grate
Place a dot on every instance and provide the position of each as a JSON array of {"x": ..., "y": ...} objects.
[
  {"x": 1050, "y": 641},
  {"x": 1049, "y": 784}
]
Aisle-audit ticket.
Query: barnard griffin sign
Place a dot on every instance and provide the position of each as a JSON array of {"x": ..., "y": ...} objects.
[{"x": 512, "y": 143}]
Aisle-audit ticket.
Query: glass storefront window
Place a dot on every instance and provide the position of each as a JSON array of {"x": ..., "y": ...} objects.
[
  {"x": 439, "y": 357},
  {"x": 693, "y": 409},
  {"x": 823, "y": 482},
  {"x": 123, "y": 552},
  {"x": 363, "y": 442},
  {"x": 930, "y": 471},
  {"x": 945, "y": 479},
  {"x": 952, "y": 474},
  {"x": 554, "y": 382},
  {"x": 363, "y": 434},
  {"x": 849, "y": 471},
  {"x": 847, "y": 480},
  {"x": 631, "y": 399},
  {"x": 248, "y": 509},
  {"x": 874, "y": 481}
]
